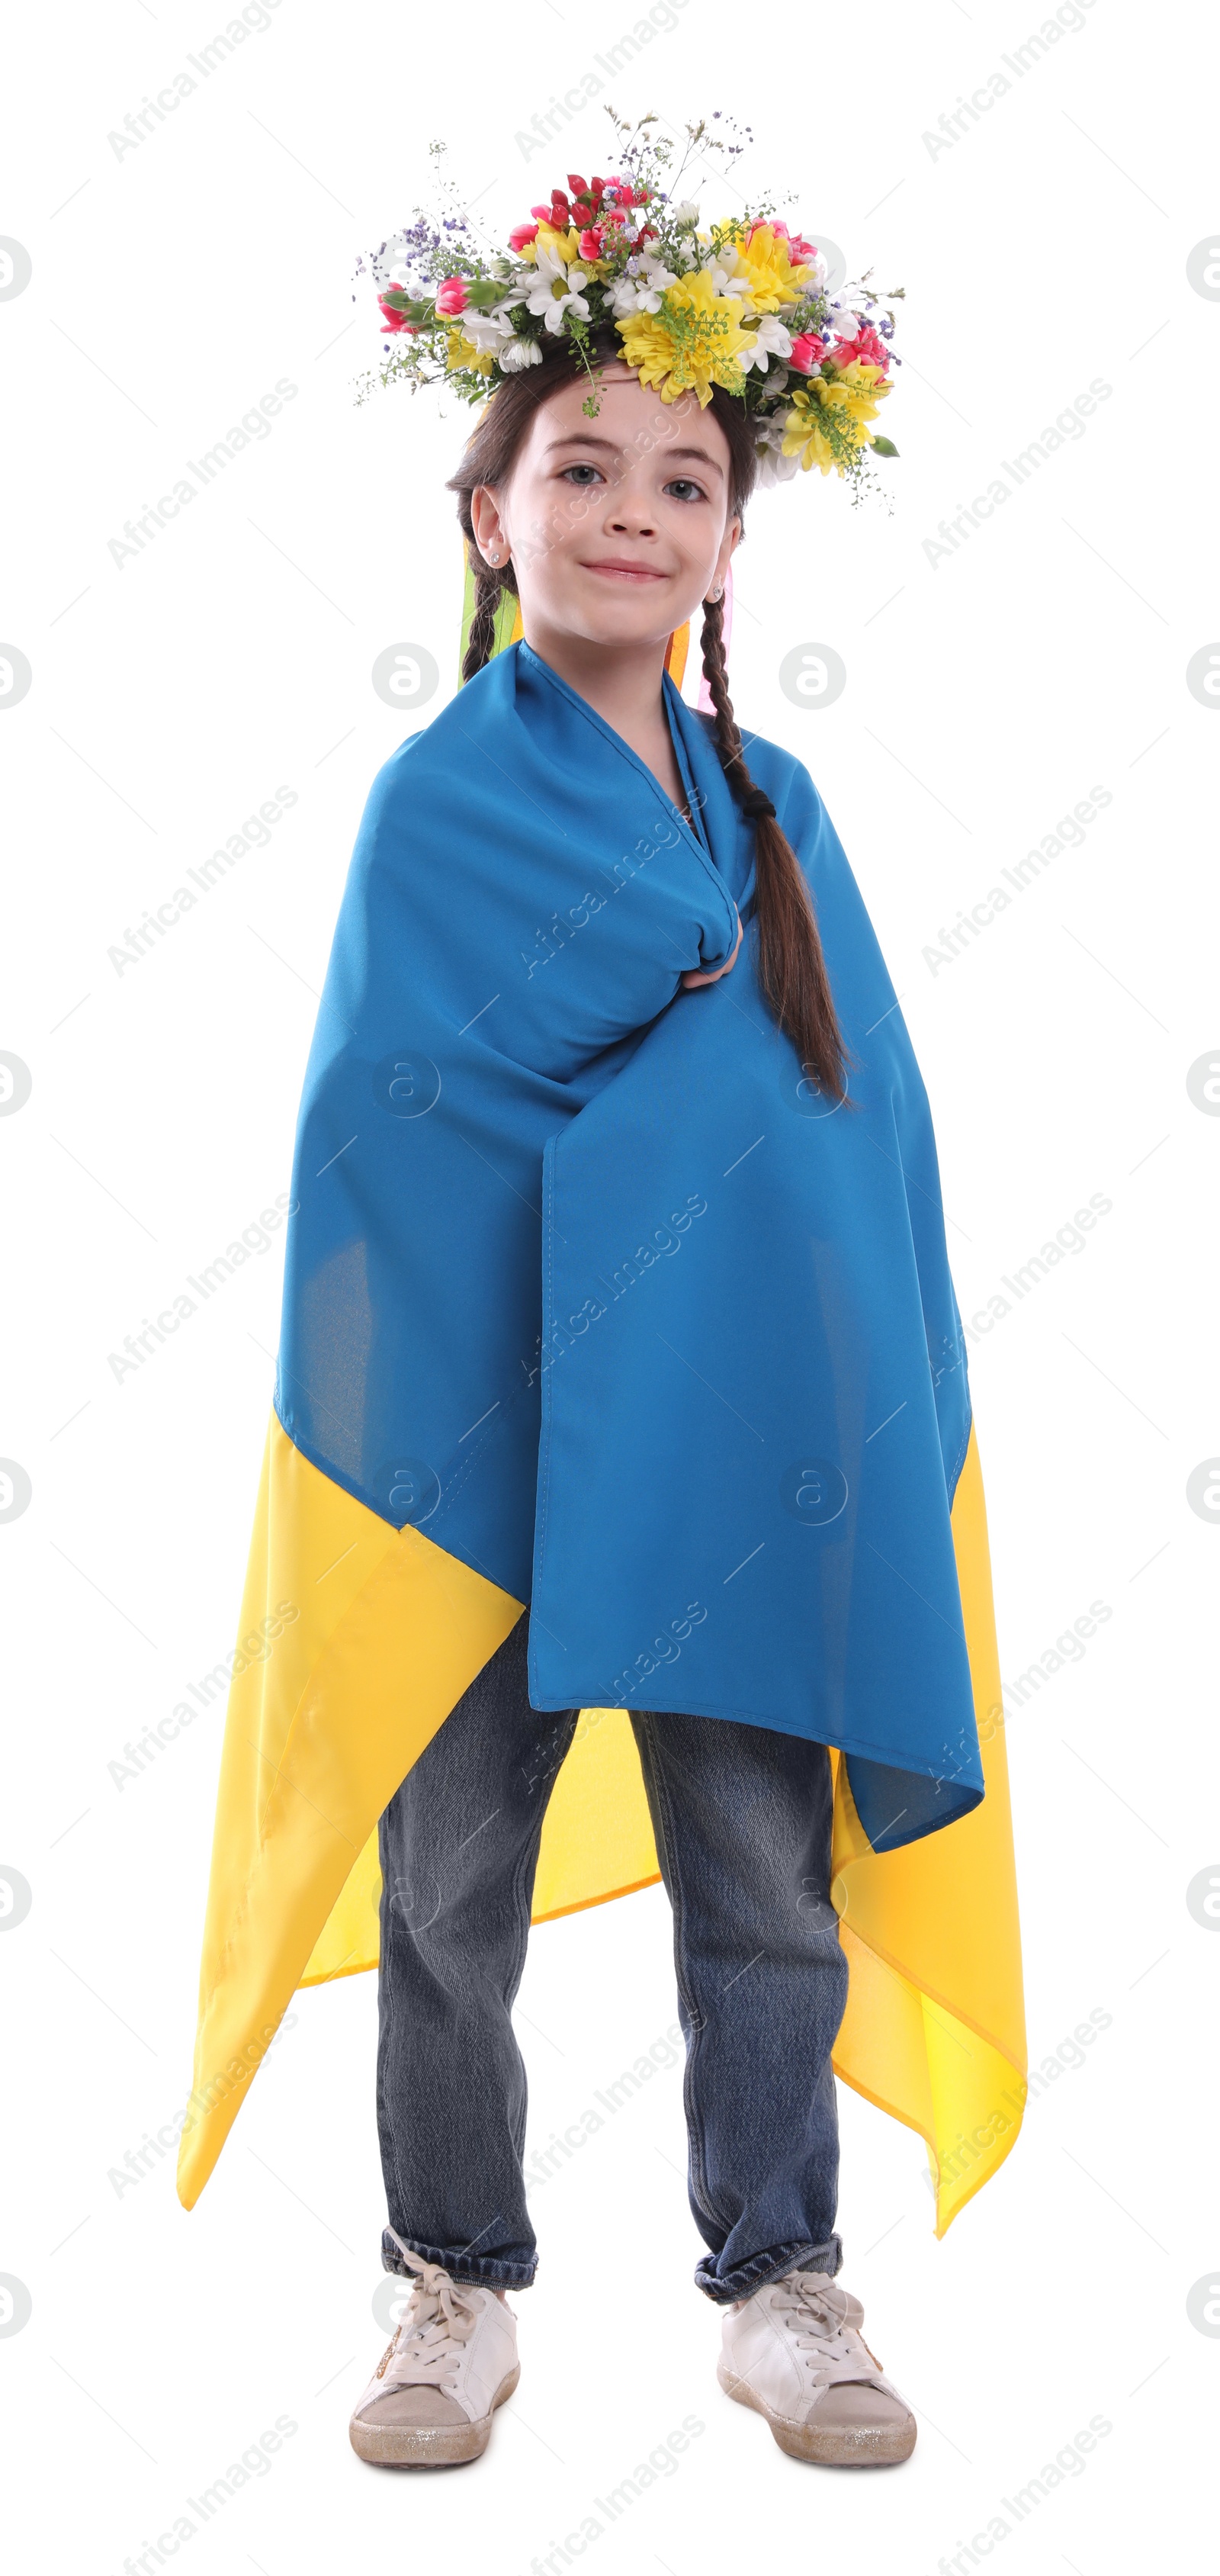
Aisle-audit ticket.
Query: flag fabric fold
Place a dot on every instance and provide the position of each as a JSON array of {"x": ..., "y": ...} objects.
[{"x": 594, "y": 1303}]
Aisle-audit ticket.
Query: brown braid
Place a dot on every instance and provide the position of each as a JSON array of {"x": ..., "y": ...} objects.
[
  {"x": 791, "y": 965},
  {"x": 490, "y": 582}
]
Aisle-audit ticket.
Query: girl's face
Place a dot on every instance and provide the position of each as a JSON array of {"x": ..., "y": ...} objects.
[{"x": 619, "y": 527}]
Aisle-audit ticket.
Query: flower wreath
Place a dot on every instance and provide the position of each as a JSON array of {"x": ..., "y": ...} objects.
[{"x": 744, "y": 304}]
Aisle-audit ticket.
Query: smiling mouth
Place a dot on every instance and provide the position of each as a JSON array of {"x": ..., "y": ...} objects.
[{"x": 626, "y": 572}]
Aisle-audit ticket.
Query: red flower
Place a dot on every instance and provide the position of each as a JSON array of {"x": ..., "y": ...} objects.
[
  {"x": 587, "y": 196},
  {"x": 558, "y": 214},
  {"x": 451, "y": 296},
  {"x": 807, "y": 352},
  {"x": 866, "y": 345},
  {"x": 591, "y": 242},
  {"x": 395, "y": 321},
  {"x": 522, "y": 235}
]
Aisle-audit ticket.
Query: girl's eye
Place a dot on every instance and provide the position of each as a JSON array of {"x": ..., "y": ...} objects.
[
  {"x": 582, "y": 475},
  {"x": 683, "y": 489}
]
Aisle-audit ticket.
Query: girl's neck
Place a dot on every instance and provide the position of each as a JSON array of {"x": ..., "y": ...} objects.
[{"x": 624, "y": 687}]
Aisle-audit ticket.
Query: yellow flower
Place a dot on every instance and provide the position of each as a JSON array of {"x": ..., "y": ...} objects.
[
  {"x": 561, "y": 246},
  {"x": 558, "y": 246},
  {"x": 764, "y": 261},
  {"x": 828, "y": 428},
  {"x": 461, "y": 352},
  {"x": 693, "y": 341}
]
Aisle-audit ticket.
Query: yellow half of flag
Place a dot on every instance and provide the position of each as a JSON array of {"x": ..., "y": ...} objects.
[{"x": 358, "y": 1639}]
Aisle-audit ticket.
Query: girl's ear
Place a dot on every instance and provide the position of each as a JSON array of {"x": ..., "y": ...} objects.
[{"x": 485, "y": 519}]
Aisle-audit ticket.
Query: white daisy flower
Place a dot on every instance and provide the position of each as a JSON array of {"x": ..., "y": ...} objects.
[
  {"x": 771, "y": 341},
  {"x": 488, "y": 331},
  {"x": 555, "y": 291}
]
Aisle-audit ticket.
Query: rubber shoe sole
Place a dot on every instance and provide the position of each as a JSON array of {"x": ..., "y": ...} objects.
[
  {"x": 836, "y": 2446},
  {"x": 441, "y": 2446}
]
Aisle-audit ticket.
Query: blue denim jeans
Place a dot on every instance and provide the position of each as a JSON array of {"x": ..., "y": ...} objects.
[{"x": 742, "y": 1820}]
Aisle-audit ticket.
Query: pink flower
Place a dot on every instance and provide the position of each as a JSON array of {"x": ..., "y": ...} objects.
[
  {"x": 394, "y": 321},
  {"x": 451, "y": 296},
  {"x": 522, "y": 235},
  {"x": 591, "y": 242},
  {"x": 618, "y": 199},
  {"x": 807, "y": 352},
  {"x": 866, "y": 345}
]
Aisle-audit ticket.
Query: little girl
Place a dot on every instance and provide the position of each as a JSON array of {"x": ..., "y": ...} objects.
[
  {"x": 613, "y": 533},
  {"x": 621, "y": 1374}
]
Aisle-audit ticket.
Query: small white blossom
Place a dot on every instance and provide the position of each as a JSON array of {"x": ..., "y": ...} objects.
[
  {"x": 725, "y": 280},
  {"x": 517, "y": 354},
  {"x": 773, "y": 466},
  {"x": 771, "y": 341},
  {"x": 643, "y": 292}
]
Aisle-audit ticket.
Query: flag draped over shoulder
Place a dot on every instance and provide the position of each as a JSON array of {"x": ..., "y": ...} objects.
[{"x": 594, "y": 1302}]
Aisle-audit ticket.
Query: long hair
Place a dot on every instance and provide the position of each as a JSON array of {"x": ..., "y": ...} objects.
[{"x": 791, "y": 965}]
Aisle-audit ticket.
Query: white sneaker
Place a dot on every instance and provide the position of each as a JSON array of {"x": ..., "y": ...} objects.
[
  {"x": 452, "y": 2361},
  {"x": 795, "y": 2354}
]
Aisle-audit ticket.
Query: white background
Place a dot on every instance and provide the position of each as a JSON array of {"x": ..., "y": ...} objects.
[{"x": 171, "y": 288}]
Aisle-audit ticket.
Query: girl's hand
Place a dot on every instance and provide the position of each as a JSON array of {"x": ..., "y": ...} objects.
[{"x": 694, "y": 977}]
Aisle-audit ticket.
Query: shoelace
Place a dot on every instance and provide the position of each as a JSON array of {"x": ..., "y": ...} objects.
[
  {"x": 816, "y": 2313},
  {"x": 432, "y": 2333}
]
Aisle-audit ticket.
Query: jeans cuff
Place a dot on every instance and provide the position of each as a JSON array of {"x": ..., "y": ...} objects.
[
  {"x": 741, "y": 2281},
  {"x": 472, "y": 2271}
]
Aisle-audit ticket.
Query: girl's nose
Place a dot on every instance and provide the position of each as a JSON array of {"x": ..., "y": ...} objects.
[{"x": 630, "y": 517}]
